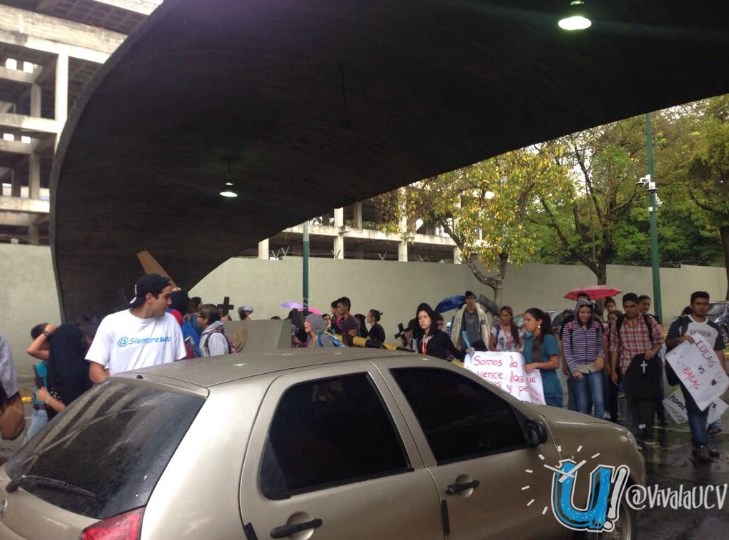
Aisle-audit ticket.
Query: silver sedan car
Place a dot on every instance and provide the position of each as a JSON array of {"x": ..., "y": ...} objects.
[{"x": 324, "y": 444}]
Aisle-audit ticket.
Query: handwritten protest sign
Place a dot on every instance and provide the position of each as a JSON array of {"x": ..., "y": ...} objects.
[
  {"x": 506, "y": 370},
  {"x": 698, "y": 368},
  {"x": 716, "y": 410},
  {"x": 675, "y": 406}
]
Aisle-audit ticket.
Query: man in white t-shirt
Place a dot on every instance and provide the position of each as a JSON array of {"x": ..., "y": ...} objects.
[
  {"x": 683, "y": 329},
  {"x": 142, "y": 336}
]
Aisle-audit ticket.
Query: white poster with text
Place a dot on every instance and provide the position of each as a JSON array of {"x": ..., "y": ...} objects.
[
  {"x": 675, "y": 406},
  {"x": 698, "y": 368},
  {"x": 506, "y": 370}
]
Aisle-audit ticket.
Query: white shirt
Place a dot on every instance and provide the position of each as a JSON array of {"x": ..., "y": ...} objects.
[
  {"x": 702, "y": 328},
  {"x": 124, "y": 342}
]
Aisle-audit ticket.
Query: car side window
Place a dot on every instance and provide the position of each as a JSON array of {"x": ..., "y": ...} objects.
[
  {"x": 329, "y": 432},
  {"x": 460, "y": 418}
]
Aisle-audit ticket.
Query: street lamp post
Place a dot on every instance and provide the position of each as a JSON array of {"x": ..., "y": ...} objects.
[{"x": 650, "y": 184}]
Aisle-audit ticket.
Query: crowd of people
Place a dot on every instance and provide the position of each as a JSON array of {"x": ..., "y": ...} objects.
[{"x": 601, "y": 350}]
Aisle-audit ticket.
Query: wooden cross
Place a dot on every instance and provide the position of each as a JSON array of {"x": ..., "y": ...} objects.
[
  {"x": 643, "y": 365},
  {"x": 225, "y": 307}
]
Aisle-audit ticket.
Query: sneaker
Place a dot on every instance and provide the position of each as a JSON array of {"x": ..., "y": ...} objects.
[
  {"x": 702, "y": 454},
  {"x": 650, "y": 443},
  {"x": 714, "y": 453}
]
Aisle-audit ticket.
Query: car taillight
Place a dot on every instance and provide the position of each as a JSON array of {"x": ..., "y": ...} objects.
[{"x": 126, "y": 526}]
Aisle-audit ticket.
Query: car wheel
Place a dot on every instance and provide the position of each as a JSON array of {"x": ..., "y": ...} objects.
[
  {"x": 625, "y": 529},
  {"x": 725, "y": 334}
]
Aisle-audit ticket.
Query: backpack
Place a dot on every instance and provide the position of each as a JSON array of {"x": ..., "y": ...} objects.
[
  {"x": 231, "y": 347},
  {"x": 621, "y": 319}
]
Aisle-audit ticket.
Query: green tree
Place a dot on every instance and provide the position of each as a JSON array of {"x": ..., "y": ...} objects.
[
  {"x": 707, "y": 179},
  {"x": 597, "y": 193},
  {"x": 483, "y": 208}
]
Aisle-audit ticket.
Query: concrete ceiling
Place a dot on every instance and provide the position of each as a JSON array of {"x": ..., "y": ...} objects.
[{"x": 319, "y": 104}]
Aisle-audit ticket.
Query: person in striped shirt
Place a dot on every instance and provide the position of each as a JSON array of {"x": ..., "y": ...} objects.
[{"x": 583, "y": 352}]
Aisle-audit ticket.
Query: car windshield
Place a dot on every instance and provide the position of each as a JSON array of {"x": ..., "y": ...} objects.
[
  {"x": 716, "y": 309},
  {"x": 104, "y": 454}
]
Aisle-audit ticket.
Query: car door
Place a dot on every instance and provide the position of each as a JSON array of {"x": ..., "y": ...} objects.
[
  {"x": 492, "y": 483},
  {"x": 330, "y": 457}
]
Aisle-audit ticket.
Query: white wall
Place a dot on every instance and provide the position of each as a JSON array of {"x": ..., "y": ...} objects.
[{"x": 28, "y": 290}]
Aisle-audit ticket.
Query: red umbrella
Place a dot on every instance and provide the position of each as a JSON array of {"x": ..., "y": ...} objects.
[{"x": 595, "y": 292}]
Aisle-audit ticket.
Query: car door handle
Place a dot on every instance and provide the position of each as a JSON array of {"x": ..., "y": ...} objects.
[
  {"x": 457, "y": 488},
  {"x": 288, "y": 530}
]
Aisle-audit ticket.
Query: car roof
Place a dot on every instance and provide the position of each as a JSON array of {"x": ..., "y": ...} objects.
[{"x": 216, "y": 370}]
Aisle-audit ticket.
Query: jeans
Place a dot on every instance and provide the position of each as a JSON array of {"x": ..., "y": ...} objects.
[
  {"x": 589, "y": 390},
  {"x": 37, "y": 421},
  {"x": 697, "y": 419}
]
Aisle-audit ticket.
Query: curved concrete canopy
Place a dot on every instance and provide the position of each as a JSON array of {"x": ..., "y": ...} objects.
[{"x": 317, "y": 104}]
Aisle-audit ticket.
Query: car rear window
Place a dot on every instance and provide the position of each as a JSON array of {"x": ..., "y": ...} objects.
[{"x": 108, "y": 448}]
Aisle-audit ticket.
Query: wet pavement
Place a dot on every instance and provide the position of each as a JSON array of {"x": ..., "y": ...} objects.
[{"x": 672, "y": 466}]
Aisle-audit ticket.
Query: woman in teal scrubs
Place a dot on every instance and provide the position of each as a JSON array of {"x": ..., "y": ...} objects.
[{"x": 541, "y": 351}]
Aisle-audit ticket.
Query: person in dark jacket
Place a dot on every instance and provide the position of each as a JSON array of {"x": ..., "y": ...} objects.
[
  {"x": 68, "y": 370},
  {"x": 435, "y": 342},
  {"x": 376, "y": 330}
]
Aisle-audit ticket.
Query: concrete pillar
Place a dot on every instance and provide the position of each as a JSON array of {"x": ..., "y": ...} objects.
[
  {"x": 263, "y": 249},
  {"x": 14, "y": 183},
  {"x": 402, "y": 251},
  {"x": 339, "y": 240},
  {"x": 457, "y": 255},
  {"x": 62, "y": 87},
  {"x": 34, "y": 178},
  {"x": 357, "y": 220},
  {"x": 33, "y": 235},
  {"x": 35, "y": 100}
]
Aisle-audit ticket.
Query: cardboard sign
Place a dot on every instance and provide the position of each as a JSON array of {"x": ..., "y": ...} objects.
[
  {"x": 506, "y": 370},
  {"x": 675, "y": 406},
  {"x": 698, "y": 368},
  {"x": 716, "y": 410}
]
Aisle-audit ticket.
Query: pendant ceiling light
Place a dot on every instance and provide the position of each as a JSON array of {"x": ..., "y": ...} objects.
[
  {"x": 576, "y": 17},
  {"x": 228, "y": 190}
]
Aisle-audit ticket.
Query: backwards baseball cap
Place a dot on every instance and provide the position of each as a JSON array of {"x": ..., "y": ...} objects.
[{"x": 148, "y": 283}]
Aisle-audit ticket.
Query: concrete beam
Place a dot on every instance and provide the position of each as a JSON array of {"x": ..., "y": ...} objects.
[
  {"x": 16, "y": 75},
  {"x": 52, "y": 35},
  {"x": 15, "y": 147},
  {"x": 15, "y": 219},
  {"x": 30, "y": 206},
  {"x": 137, "y": 6},
  {"x": 370, "y": 234},
  {"x": 30, "y": 124}
]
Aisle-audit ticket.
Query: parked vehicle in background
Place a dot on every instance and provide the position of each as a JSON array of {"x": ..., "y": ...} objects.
[
  {"x": 311, "y": 443},
  {"x": 719, "y": 313}
]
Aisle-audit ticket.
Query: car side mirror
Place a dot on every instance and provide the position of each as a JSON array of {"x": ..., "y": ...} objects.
[{"x": 536, "y": 433}]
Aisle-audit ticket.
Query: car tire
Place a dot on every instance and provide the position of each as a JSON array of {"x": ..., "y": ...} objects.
[
  {"x": 625, "y": 529},
  {"x": 725, "y": 334}
]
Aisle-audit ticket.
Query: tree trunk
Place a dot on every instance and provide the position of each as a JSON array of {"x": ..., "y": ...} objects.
[
  {"x": 601, "y": 273},
  {"x": 495, "y": 282},
  {"x": 724, "y": 233}
]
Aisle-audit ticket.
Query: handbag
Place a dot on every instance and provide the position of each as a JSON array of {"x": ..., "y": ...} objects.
[{"x": 12, "y": 418}]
